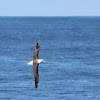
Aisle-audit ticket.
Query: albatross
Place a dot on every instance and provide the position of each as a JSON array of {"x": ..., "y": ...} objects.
[{"x": 35, "y": 62}]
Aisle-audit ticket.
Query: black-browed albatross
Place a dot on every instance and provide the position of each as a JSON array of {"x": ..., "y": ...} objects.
[{"x": 35, "y": 62}]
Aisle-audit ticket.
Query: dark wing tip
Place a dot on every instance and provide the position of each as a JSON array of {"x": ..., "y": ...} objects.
[
  {"x": 36, "y": 85},
  {"x": 37, "y": 46},
  {"x": 36, "y": 82}
]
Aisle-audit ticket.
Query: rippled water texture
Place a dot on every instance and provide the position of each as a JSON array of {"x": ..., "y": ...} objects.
[{"x": 69, "y": 45}]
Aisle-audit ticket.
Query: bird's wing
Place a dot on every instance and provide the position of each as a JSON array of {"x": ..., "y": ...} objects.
[
  {"x": 37, "y": 51},
  {"x": 36, "y": 75}
]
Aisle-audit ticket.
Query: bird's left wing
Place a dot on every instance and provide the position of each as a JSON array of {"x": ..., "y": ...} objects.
[{"x": 37, "y": 51}]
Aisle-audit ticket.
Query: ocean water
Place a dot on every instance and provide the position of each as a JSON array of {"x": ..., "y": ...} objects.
[{"x": 69, "y": 45}]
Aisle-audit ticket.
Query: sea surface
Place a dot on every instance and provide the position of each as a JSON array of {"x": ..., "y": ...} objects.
[{"x": 69, "y": 45}]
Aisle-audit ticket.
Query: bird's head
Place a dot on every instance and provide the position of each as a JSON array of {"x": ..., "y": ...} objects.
[
  {"x": 41, "y": 60},
  {"x": 44, "y": 61}
]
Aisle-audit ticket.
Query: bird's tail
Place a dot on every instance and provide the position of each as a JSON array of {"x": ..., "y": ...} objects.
[{"x": 30, "y": 63}]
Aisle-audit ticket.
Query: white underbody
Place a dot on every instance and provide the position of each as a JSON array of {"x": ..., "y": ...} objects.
[{"x": 38, "y": 61}]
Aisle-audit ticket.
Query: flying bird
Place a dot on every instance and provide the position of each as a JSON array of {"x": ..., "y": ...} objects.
[{"x": 35, "y": 62}]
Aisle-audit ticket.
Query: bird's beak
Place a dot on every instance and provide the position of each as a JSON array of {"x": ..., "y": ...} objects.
[{"x": 45, "y": 61}]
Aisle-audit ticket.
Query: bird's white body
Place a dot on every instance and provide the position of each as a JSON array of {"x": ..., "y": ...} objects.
[{"x": 38, "y": 61}]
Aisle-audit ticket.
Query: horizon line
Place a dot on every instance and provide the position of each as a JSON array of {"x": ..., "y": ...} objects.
[{"x": 55, "y": 16}]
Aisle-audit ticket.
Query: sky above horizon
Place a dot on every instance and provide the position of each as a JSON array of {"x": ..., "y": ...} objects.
[{"x": 49, "y": 7}]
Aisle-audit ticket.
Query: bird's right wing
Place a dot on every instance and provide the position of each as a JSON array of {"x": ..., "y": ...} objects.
[{"x": 36, "y": 75}]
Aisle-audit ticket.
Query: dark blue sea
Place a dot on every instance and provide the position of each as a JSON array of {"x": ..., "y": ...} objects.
[{"x": 69, "y": 45}]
